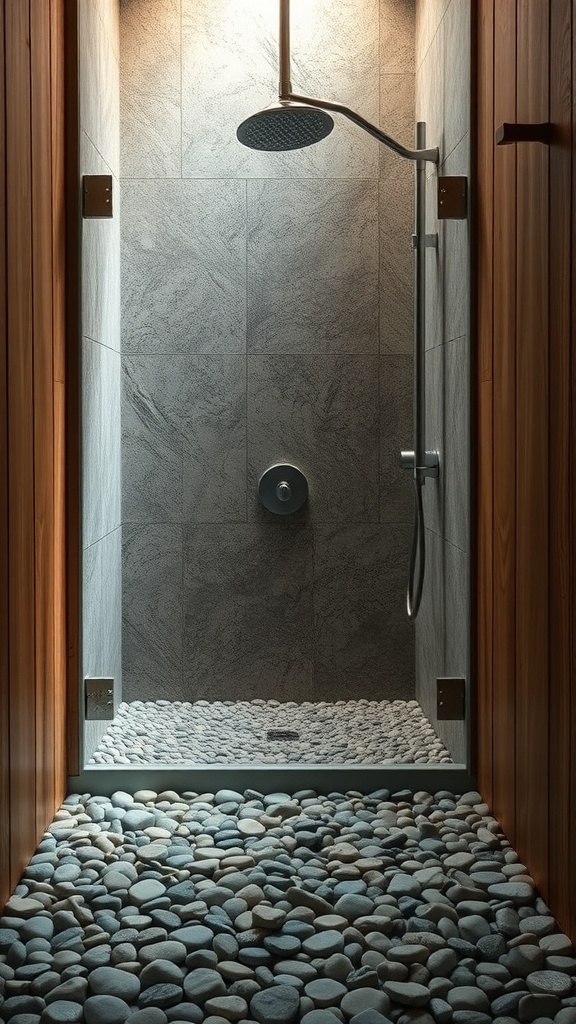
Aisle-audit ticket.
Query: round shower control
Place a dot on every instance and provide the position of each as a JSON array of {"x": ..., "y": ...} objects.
[{"x": 283, "y": 489}]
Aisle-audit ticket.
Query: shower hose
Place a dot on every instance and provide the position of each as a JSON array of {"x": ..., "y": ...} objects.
[{"x": 417, "y": 554}]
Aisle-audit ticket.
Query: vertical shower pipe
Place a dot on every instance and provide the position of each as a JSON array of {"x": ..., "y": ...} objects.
[
  {"x": 420, "y": 462},
  {"x": 421, "y": 466},
  {"x": 285, "y": 84}
]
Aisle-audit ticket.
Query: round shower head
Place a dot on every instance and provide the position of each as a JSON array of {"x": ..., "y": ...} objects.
[{"x": 285, "y": 125}]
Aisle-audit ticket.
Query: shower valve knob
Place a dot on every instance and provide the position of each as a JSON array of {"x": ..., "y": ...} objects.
[{"x": 284, "y": 491}]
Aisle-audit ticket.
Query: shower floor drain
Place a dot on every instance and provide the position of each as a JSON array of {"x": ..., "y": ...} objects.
[{"x": 282, "y": 734}]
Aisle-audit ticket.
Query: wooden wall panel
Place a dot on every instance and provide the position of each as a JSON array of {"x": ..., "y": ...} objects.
[
  {"x": 21, "y": 437},
  {"x": 4, "y": 676},
  {"x": 32, "y": 524},
  {"x": 532, "y": 379},
  {"x": 504, "y": 412},
  {"x": 561, "y": 867},
  {"x": 484, "y": 95},
  {"x": 527, "y": 466}
]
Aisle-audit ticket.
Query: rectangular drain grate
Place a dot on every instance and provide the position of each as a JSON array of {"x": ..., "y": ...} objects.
[{"x": 282, "y": 734}]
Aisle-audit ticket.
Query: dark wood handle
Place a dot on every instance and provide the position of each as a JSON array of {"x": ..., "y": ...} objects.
[{"x": 507, "y": 134}]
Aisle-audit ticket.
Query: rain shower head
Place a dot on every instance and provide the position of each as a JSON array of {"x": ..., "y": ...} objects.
[
  {"x": 297, "y": 121},
  {"x": 283, "y": 126}
]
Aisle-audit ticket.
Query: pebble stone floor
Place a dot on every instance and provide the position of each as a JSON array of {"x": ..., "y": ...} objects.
[
  {"x": 215, "y": 908},
  {"x": 236, "y": 732}
]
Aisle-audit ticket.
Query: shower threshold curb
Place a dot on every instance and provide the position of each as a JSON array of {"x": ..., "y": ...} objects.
[{"x": 105, "y": 780}]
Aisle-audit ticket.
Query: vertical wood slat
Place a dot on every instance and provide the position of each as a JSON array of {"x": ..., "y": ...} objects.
[
  {"x": 532, "y": 372},
  {"x": 59, "y": 281},
  {"x": 4, "y": 670},
  {"x": 72, "y": 397},
  {"x": 32, "y": 309},
  {"x": 572, "y": 469},
  {"x": 21, "y": 437},
  {"x": 559, "y": 330},
  {"x": 484, "y": 59},
  {"x": 504, "y": 430},
  {"x": 41, "y": 178}
]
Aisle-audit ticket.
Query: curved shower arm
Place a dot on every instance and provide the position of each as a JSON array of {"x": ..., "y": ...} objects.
[{"x": 431, "y": 155}]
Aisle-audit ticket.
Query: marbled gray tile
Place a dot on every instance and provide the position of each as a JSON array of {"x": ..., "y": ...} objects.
[
  {"x": 100, "y": 277},
  {"x": 397, "y": 113},
  {"x": 396, "y": 434},
  {"x": 150, "y": 89},
  {"x": 248, "y": 613},
  {"x": 312, "y": 266},
  {"x": 396, "y": 258},
  {"x": 457, "y": 80},
  {"x": 101, "y": 456},
  {"x": 457, "y": 444},
  {"x": 152, "y": 612},
  {"x": 442, "y": 634},
  {"x": 429, "y": 15},
  {"x": 434, "y": 492},
  {"x": 213, "y": 411},
  {"x": 151, "y": 440},
  {"x": 230, "y": 70},
  {"x": 320, "y": 413},
  {"x": 183, "y": 266},
  {"x": 101, "y": 621},
  {"x": 397, "y": 28},
  {"x": 430, "y": 84},
  {"x": 456, "y": 254},
  {"x": 99, "y": 79},
  {"x": 184, "y": 438},
  {"x": 363, "y": 642}
]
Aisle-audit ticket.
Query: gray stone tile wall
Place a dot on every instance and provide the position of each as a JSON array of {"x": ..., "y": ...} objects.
[
  {"x": 443, "y": 47},
  {"x": 266, "y": 317},
  {"x": 101, "y": 371}
]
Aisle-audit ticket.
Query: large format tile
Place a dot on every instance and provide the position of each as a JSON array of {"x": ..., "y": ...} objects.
[
  {"x": 248, "y": 613},
  {"x": 184, "y": 438},
  {"x": 396, "y": 215},
  {"x": 99, "y": 93},
  {"x": 434, "y": 492},
  {"x": 152, "y": 612},
  {"x": 396, "y": 435},
  {"x": 151, "y": 440},
  {"x": 442, "y": 634},
  {"x": 102, "y": 622},
  {"x": 183, "y": 266},
  {"x": 230, "y": 70},
  {"x": 213, "y": 413},
  {"x": 100, "y": 267},
  {"x": 150, "y": 84},
  {"x": 457, "y": 444},
  {"x": 397, "y": 36},
  {"x": 363, "y": 642},
  {"x": 320, "y": 413},
  {"x": 429, "y": 15},
  {"x": 101, "y": 455},
  {"x": 457, "y": 80},
  {"x": 312, "y": 266}
]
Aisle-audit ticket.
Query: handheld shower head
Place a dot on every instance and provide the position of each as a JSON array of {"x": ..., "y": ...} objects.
[{"x": 283, "y": 126}]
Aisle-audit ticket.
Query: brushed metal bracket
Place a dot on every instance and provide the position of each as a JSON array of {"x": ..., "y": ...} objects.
[
  {"x": 431, "y": 465},
  {"x": 507, "y": 134},
  {"x": 97, "y": 195},
  {"x": 451, "y": 700},
  {"x": 99, "y": 699},
  {"x": 452, "y": 197}
]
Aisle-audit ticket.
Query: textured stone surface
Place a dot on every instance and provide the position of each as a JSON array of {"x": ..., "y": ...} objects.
[
  {"x": 363, "y": 731},
  {"x": 367, "y": 909}
]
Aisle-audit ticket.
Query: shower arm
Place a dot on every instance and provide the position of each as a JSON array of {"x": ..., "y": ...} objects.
[{"x": 285, "y": 93}]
